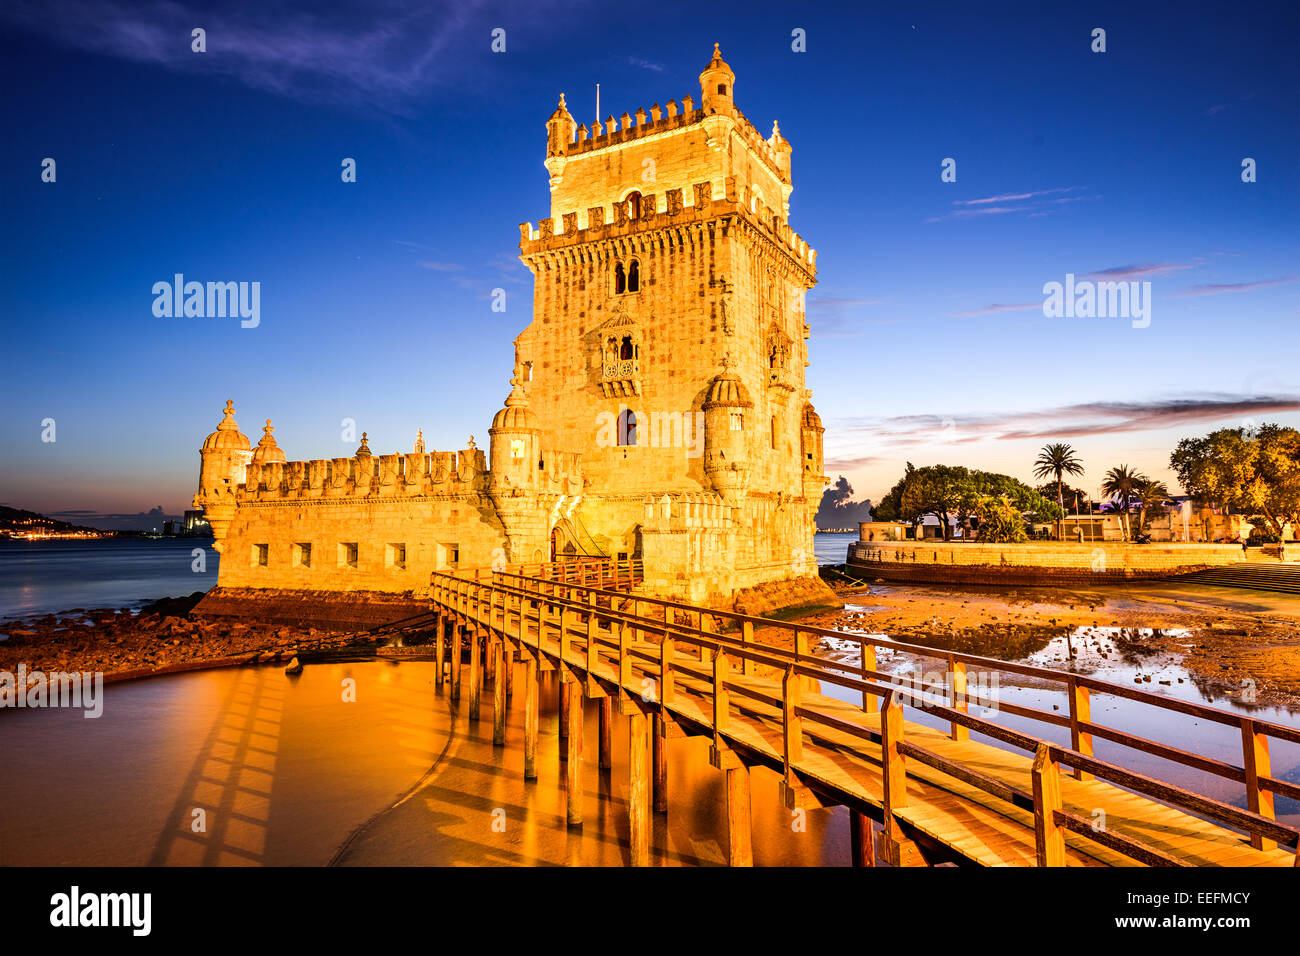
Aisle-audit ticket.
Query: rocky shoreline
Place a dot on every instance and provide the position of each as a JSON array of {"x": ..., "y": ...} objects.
[{"x": 163, "y": 637}]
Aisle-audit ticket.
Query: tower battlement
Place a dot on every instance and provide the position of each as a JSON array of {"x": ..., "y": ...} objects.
[{"x": 701, "y": 202}]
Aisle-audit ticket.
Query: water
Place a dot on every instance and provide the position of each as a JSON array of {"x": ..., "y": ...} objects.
[
  {"x": 1122, "y": 656},
  {"x": 45, "y": 577},
  {"x": 832, "y": 548},
  {"x": 287, "y": 773}
]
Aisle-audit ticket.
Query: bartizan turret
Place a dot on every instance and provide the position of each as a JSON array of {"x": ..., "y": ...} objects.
[
  {"x": 516, "y": 475},
  {"x": 225, "y": 456},
  {"x": 716, "y": 91},
  {"x": 560, "y": 130},
  {"x": 728, "y": 415},
  {"x": 810, "y": 434}
]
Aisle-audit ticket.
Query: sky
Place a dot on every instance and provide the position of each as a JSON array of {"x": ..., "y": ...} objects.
[{"x": 929, "y": 339}]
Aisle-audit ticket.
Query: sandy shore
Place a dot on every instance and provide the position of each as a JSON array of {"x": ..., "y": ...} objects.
[{"x": 1235, "y": 635}]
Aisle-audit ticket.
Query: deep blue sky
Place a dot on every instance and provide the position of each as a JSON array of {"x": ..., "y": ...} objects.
[{"x": 929, "y": 341}]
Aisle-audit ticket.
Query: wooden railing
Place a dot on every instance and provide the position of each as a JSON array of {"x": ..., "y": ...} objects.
[{"x": 602, "y": 620}]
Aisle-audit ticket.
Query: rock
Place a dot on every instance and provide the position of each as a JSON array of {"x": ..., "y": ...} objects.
[{"x": 294, "y": 666}]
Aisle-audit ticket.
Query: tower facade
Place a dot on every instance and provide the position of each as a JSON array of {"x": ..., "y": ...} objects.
[{"x": 668, "y": 341}]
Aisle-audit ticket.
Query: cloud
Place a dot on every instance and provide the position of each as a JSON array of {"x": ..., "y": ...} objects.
[
  {"x": 1032, "y": 203},
  {"x": 387, "y": 58},
  {"x": 1136, "y": 271},
  {"x": 1221, "y": 287},
  {"x": 883, "y": 435},
  {"x": 443, "y": 266},
  {"x": 997, "y": 307},
  {"x": 643, "y": 64}
]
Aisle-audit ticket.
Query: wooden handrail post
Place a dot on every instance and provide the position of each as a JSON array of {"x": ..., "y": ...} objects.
[
  {"x": 592, "y": 646},
  {"x": 499, "y": 666},
  {"x": 666, "y": 669},
  {"x": 869, "y": 703},
  {"x": 1256, "y": 762},
  {"x": 721, "y": 697},
  {"x": 791, "y": 722},
  {"x": 564, "y": 639},
  {"x": 892, "y": 760},
  {"x": 957, "y": 697},
  {"x": 1080, "y": 713},
  {"x": 747, "y": 639},
  {"x": 624, "y": 656},
  {"x": 1049, "y": 836}
]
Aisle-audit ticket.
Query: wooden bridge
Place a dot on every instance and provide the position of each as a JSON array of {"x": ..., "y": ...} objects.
[{"x": 929, "y": 794}]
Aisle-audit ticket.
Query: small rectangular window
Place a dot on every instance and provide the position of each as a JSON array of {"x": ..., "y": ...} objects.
[
  {"x": 348, "y": 551},
  {"x": 302, "y": 555},
  {"x": 737, "y": 421},
  {"x": 397, "y": 556},
  {"x": 517, "y": 448},
  {"x": 261, "y": 555}
]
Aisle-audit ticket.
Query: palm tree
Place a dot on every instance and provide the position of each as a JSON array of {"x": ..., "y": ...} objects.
[
  {"x": 1121, "y": 485},
  {"x": 1150, "y": 494},
  {"x": 1057, "y": 459}
]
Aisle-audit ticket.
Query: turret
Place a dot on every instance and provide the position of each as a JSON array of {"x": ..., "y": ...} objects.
[
  {"x": 810, "y": 434},
  {"x": 782, "y": 148},
  {"x": 716, "y": 84},
  {"x": 515, "y": 455},
  {"x": 728, "y": 415},
  {"x": 224, "y": 457},
  {"x": 267, "y": 451},
  {"x": 560, "y": 129}
]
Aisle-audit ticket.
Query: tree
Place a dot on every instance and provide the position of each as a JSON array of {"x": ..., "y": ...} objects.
[
  {"x": 1150, "y": 494},
  {"x": 952, "y": 492},
  {"x": 1253, "y": 471},
  {"x": 1121, "y": 485},
  {"x": 1057, "y": 459},
  {"x": 1000, "y": 520}
]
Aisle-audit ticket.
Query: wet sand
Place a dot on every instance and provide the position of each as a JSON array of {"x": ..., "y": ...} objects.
[{"x": 1227, "y": 638}]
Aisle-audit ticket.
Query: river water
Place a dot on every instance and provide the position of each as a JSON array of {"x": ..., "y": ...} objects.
[
  {"x": 286, "y": 772},
  {"x": 251, "y": 766}
]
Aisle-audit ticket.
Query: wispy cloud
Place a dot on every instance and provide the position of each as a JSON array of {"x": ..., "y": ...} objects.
[
  {"x": 1138, "y": 271},
  {"x": 897, "y": 433},
  {"x": 643, "y": 64},
  {"x": 387, "y": 57},
  {"x": 1217, "y": 288},
  {"x": 997, "y": 307},
  {"x": 443, "y": 266},
  {"x": 1031, "y": 203}
]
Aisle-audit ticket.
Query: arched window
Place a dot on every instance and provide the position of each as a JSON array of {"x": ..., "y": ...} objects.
[
  {"x": 634, "y": 205},
  {"x": 627, "y": 427},
  {"x": 773, "y": 431},
  {"x": 634, "y": 276},
  {"x": 627, "y": 351},
  {"x": 620, "y": 281}
]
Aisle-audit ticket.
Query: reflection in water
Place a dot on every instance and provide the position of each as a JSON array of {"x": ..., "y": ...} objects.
[
  {"x": 286, "y": 772},
  {"x": 1123, "y": 656}
]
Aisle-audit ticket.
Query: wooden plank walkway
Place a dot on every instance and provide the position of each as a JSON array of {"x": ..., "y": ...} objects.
[{"x": 934, "y": 795}]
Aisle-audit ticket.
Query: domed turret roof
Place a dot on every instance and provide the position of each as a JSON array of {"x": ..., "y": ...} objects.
[
  {"x": 227, "y": 437},
  {"x": 267, "y": 451},
  {"x": 727, "y": 389},
  {"x": 364, "y": 451},
  {"x": 516, "y": 415},
  {"x": 717, "y": 65}
]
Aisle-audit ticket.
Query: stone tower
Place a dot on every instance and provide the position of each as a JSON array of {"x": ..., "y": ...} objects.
[{"x": 668, "y": 341}]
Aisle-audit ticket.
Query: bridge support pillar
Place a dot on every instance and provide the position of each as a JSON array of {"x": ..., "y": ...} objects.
[
  {"x": 498, "y": 695},
  {"x": 457, "y": 651},
  {"x": 606, "y": 732},
  {"x": 740, "y": 847},
  {"x": 661, "y": 765},
  {"x": 573, "y": 690},
  {"x": 862, "y": 848},
  {"x": 638, "y": 797},
  {"x": 530, "y": 718},
  {"x": 475, "y": 674},
  {"x": 564, "y": 717},
  {"x": 440, "y": 657}
]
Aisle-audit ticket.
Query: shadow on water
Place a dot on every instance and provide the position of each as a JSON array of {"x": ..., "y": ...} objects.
[{"x": 288, "y": 773}]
